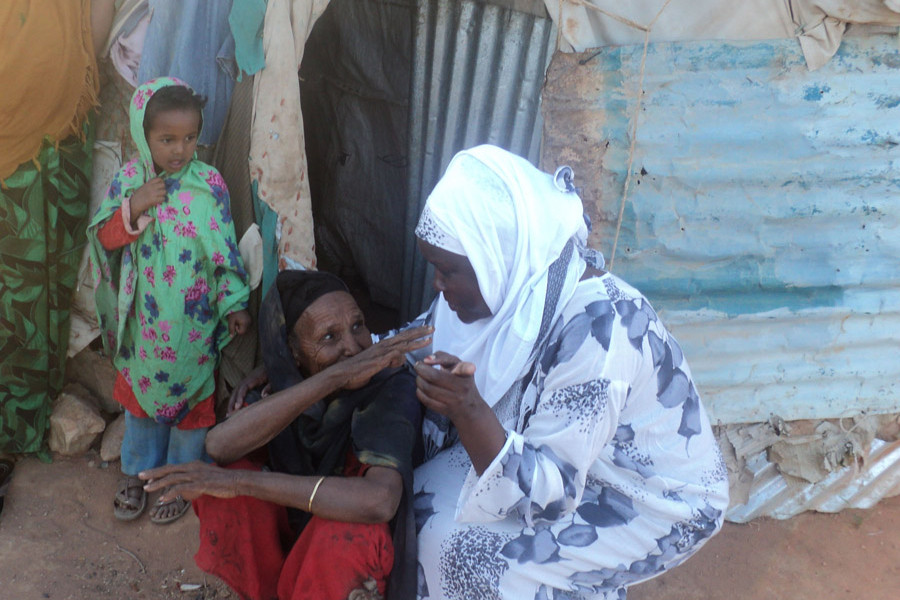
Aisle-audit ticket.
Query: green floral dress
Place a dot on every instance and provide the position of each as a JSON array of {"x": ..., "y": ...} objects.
[{"x": 163, "y": 299}]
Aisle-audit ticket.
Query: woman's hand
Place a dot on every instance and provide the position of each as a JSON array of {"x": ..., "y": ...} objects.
[
  {"x": 254, "y": 379},
  {"x": 238, "y": 322},
  {"x": 356, "y": 371},
  {"x": 152, "y": 193},
  {"x": 446, "y": 385},
  {"x": 191, "y": 480}
]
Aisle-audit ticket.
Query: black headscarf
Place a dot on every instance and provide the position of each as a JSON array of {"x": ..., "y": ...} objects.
[{"x": 299, "y": 289}]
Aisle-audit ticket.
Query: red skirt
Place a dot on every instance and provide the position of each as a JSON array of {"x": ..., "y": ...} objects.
[{"x": 243, "y": 542}]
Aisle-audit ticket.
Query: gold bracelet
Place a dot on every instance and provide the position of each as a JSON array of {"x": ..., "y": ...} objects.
[{"x": 313, "y": 495}]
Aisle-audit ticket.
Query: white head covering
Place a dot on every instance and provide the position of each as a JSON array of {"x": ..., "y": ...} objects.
[{"x": 524, "y": 237}]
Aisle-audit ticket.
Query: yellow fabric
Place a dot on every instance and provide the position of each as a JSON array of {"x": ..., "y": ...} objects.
[{"x": 49, "y": 75}]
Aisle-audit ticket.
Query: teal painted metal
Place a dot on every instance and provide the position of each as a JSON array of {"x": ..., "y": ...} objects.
[{"x": 763, "y": 215}]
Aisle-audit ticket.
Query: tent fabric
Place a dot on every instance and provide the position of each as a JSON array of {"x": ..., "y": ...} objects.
[
  {"x": 819, "y": 25},
  {"x": 191, "y": 40},
  {"x": 112, "y": 148},
  {"x": 355, "y": 83},
  {"x": 230, "y": 158},
  {"x": 107, "y": 160},
  {"x": 45, "y": 208},
  {"x": 128, "y": 15},
  {"x": 246, "y": 20},
  {"x": 125, "y": 52},
  {"x": 125, "y": 41},
  {"x": 277, "y": 148},
  {"x": 49, "y": 73}
]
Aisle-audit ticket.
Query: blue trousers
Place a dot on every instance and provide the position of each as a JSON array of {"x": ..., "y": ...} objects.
[{"x": 148, "y": 444}]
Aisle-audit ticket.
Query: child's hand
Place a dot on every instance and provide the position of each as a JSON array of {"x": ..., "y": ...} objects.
[
  {"x": 257, "y": 377},
  {"x": 152, "y": 193},
  {"x": 239, "y": 322}
]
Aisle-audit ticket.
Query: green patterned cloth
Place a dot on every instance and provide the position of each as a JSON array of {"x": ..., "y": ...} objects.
[{"x": 43, "y": 214}]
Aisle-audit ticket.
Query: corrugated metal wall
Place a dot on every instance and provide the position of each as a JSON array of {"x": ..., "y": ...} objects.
[
  {"x": 762, "y": 215},
  {"x": 478, "y": 69}
]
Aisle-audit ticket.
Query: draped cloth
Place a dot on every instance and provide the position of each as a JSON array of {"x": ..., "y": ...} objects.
[
  {"x": 49, "y": 76},
  {"x": 191, "y": 40},
  {"x": 277, "y": 149},
  {"x": 43, "y": 214},
  {"x": 50, "y": 85}
]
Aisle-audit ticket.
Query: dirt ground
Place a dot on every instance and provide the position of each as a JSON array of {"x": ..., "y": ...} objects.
[{"x": 58, "y": 540}]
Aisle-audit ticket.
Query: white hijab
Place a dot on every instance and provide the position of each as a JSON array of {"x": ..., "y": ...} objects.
[{"x": 512, "y": 222}]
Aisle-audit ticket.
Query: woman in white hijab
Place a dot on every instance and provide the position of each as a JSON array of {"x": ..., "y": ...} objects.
[{"x": 568, "y": 453}]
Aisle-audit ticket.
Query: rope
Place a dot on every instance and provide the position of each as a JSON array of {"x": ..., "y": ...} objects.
[{"x": 637, "y": 109}]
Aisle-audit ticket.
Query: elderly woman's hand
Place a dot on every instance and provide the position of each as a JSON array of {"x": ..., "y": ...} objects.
[
  {"x": 356, "y": 371},
  {"x": 191, "y": 480}
]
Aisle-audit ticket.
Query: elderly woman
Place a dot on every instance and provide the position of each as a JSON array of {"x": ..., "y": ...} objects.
[
  {"x": 567, "y": 452},
  {"x": 340, "y": 427}
]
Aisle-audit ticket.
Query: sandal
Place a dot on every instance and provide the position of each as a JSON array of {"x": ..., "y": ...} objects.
[
  {"x": 180, "y": 505},
  {"x": 128, "y": 506}
]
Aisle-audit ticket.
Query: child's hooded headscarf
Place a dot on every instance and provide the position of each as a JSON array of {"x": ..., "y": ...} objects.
[{"x": 162, "y": 300}]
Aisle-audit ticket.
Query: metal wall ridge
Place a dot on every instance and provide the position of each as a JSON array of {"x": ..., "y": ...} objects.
[
  {"x": 762, "y": 215},
  {"x": 478, "y": 70}
]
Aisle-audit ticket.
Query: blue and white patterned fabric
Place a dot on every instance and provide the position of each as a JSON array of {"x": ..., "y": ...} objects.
[{"x": 610, "y": 474}]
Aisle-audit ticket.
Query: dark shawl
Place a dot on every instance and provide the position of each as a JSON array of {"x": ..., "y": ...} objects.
[{"x": 381, "y": 421}]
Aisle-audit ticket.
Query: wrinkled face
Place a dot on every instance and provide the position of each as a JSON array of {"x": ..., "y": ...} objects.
[
  {"x": 172, "y": 138},
  {"x": 330, "y": 329},
  {"x": 455, "y": 278}
]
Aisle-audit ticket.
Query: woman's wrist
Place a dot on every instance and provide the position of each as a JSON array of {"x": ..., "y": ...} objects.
[
  {"x": 482, "y": 435},
  {"x": 472, "y": 415}
]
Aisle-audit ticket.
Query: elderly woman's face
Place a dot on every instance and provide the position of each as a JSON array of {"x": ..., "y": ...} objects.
[
  {"x": 455, "y": 278},
  {"x": 330, "y": 329}
]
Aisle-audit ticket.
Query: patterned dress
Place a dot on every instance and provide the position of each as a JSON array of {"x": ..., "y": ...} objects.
[
  {"x": 163, "y": 299},
  {"x": 610, "y": 474}
]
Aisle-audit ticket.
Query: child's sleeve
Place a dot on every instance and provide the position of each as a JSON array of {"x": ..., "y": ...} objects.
[{"x": 116, "y": 232}]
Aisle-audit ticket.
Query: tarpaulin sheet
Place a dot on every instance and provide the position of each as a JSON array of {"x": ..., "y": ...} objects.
[{"x": 819, "y": 25}]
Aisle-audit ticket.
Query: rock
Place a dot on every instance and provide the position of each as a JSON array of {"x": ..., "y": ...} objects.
[
  {"x": 111, "y": 446},
  {"x": 75, "y": 423},
  {"x": 96, "y": 372}
]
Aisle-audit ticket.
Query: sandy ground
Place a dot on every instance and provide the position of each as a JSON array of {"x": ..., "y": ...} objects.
[{"x": 59, "y": 540}]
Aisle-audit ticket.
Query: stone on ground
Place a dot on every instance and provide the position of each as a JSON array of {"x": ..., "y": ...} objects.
[{"x": 76, "y": 422}]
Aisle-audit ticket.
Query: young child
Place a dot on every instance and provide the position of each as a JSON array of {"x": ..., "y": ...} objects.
[{"x": 170, "y": 289}]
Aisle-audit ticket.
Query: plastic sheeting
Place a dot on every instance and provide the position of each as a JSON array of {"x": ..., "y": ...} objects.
[
  {"x": 819, "y": 25},
  {"x": 355, "y": 89}
]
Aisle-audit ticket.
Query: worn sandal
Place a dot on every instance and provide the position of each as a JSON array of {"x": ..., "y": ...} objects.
[
  {"x": 128, "y": 506},
  {"x": 180, "y": 504}
]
